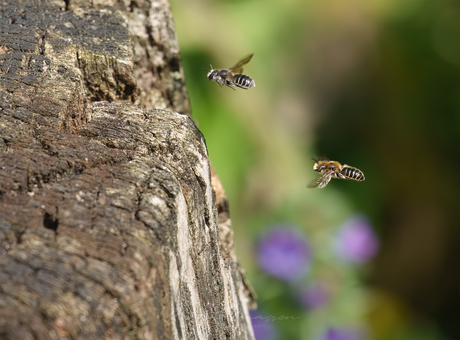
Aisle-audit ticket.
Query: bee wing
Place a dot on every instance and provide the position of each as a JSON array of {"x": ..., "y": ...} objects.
[
  {"x": 238, "y": 67},
  {"x": 321, "y": 181},
  {"x": 341, "y": 176}
]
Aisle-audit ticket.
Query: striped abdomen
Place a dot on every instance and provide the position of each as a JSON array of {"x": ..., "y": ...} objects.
[
  {"x": 352, "y": 173},
  {"x": 243, "y": 81}
]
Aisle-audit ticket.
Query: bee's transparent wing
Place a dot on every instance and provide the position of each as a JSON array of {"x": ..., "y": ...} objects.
[
  {"x": 341, "y": 176},
  {"x": 320, "y": 181},
  {"x": 238, "y": 67}
]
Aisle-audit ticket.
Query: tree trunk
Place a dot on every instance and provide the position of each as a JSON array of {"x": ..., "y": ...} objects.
[{"x": 108, "y": 218}]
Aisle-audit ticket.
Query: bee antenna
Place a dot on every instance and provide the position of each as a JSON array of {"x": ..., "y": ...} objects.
[
  {"x": 315, "y": 159},
  {"x": 210, "y": 69}
]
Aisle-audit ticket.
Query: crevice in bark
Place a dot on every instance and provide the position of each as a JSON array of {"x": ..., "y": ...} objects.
[
  {"x": 41, "y": 42},
  {"x": 151, "y": 41}
]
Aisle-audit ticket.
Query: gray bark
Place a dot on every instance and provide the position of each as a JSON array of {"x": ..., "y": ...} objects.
[{"x": 108, "y": 218}]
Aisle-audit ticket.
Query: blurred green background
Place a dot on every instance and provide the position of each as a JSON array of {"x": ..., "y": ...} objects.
[{"x": 371, "y": 83}]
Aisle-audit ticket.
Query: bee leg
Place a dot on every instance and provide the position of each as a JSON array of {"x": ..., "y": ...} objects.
[{"x": 230, "y": 84}]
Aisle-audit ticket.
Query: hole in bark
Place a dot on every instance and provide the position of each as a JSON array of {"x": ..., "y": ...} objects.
[
  {"x": 50, "y": 222},
  {"x": 7, "y": 141},
  {"x": 174, "y": 64},
  {"x": 79, "y": 167},
  {"x": 66, "y": 4},
  {"x": 18, "y": 234}
]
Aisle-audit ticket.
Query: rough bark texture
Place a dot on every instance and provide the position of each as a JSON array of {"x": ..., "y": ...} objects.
[{"x": 108, "y": 219}]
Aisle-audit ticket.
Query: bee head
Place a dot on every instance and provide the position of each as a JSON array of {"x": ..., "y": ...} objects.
[
  {"x": 315, "y": 166},
  {"x": 319, "y": 165},
  {"x": 212, "y": 73}
]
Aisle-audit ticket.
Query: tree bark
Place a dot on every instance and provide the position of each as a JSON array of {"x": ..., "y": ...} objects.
[{"x": 108, "y": 218}]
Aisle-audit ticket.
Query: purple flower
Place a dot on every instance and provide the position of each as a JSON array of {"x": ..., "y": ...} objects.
[
  {"x": 314, "y": 296},
  {"x": 356, "y": 241},
  {"x": 263, "y": 330},
  {"x": 284, "y": 253},
  {"x": 341, "y": 334}
]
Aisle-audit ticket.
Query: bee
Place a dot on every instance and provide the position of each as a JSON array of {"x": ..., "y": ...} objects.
[
  {"x": 331, "y": 169},
  {"x": 233, "y": 76}
]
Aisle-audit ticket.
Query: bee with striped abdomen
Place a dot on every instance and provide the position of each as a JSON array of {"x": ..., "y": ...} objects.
[
  {"x": 233, "y": 76},
  {"x": 332, "y": 169}
]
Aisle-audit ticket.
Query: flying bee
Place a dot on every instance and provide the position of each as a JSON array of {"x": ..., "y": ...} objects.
[
  {"x": 331, "y": 169},
  {"x": 233, "y": 76}
]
